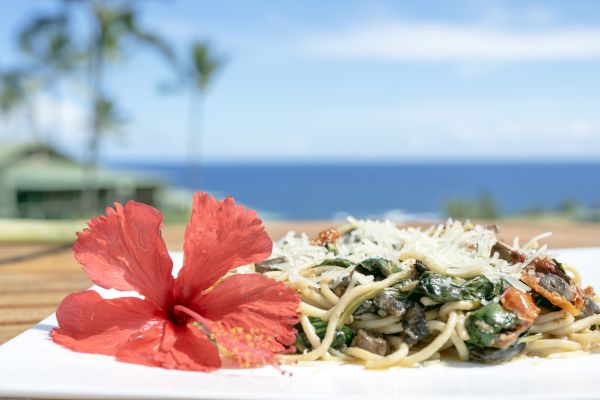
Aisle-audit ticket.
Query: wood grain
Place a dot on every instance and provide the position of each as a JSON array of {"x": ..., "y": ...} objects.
[{"x": 31, "y": 289}]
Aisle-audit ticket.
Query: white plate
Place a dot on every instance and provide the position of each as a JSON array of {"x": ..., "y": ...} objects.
[{"x": 33, "y": 366}]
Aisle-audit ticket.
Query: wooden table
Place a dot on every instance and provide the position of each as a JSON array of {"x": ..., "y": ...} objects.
[{"x": 31, "y": 288}]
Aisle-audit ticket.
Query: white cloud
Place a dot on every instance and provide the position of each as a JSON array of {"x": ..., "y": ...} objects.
[
  {"x": 47, "y": 116},
  {"x": 63, "y": 119},
  {"x": 436, "y": 42}
]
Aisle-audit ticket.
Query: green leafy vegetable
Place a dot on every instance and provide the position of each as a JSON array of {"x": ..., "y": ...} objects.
[
  {"x": 342, "y": 338},
  {"x": 486, "y": 324},
  {"x": 378, "y": 266},
  {"x": 302, "y": 343},
  {"x": 443, "y": 288},
  {"x": 339, "y": 262},
  {"x": 482, "y": 288}
]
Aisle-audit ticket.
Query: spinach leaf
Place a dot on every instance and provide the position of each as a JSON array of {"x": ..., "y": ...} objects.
[
  {"x": 443, "y": 288},
  {"x": 339, "y": 262},
  {"x": 482, "y": 288},
  {"x": 342, "y": 338},
  {"x": 486, "y": 324},
  {"x": 301, "y": 343},
  {"x": 378, "y": 266}
]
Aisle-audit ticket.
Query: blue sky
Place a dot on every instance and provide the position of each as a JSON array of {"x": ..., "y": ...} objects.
[{"x": 359, "y": 81}]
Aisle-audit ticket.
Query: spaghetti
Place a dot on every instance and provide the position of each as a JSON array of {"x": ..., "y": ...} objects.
[{"x": 383, "y": 296}]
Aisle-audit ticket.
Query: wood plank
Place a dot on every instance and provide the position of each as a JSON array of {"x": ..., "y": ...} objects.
[
  {"x": 61, "y": 287},
  {"x": 8, "y": 332},
  {"x": 29, "y": 299},
  {"x": 24, "y": 315}
]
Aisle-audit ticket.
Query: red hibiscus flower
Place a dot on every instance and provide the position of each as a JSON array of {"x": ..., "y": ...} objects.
[{"x": 181, "y": 322}]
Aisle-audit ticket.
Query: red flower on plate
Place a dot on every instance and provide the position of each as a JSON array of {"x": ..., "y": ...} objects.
[{"x": 181, "y": 322}]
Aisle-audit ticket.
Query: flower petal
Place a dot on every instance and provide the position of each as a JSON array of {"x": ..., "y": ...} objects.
[
  {"x": 220, "y": 236},
  {"x": 173, "y": 347},
  {"x": 125, "y": 251},
  {"x": 252, "y": 316},
  {"x": 90, "y": 324}
]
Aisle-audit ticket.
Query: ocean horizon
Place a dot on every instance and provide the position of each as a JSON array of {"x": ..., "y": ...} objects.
[{"x": 396, "y": 191}]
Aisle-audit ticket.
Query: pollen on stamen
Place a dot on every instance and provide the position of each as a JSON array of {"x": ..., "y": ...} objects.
[{"x": 251, "y": 348}]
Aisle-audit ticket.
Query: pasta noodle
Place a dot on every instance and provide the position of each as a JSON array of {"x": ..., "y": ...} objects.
[{"x": 384, "y": 297}]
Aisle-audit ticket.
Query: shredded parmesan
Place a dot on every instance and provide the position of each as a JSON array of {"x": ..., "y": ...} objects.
[{"x": 453, "y": 248}]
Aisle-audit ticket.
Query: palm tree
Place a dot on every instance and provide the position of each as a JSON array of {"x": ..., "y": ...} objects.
[
  {"x": 46, "y": 40},
  {"x": 198, "y": 74},
  {"x": 15, "y": 88},
  {"x": 12, "y": 93},
  {"x": 58, "y": 49},
  {"x": 113, "y": 26}
]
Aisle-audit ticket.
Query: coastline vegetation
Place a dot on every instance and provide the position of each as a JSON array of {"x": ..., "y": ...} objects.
[{"x": 485, "y": 207}]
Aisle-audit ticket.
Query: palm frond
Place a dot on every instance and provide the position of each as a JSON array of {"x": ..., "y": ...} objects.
[
  {"x": 13, "y": 90},
  {"x": 205, "y": 64},
  {"x": 107, "y": 116},
  {"x": 46, "y": 38}
]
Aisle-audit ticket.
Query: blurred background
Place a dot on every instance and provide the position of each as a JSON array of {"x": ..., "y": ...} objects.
[{"x": 301, "y": 110}]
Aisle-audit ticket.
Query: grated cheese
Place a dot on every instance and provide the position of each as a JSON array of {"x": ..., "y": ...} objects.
[{"x": 453, "y": 248}]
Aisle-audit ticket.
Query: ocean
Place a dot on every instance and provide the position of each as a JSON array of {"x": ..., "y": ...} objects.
[{"x": 400, "y": 191}]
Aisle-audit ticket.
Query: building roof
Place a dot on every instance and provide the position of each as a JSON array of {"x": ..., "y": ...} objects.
[
  {"x": 27, "y": 166},
  {"x": 11, "y": 152}
]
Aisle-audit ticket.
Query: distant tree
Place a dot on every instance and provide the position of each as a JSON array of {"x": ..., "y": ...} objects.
[
  {"x": 198, "y": 73},
  {"x": 483, "y": 207},
  {"x": 487, "y": 207},
  {"x": 113, "y": 25},
  {"x": 58, "y": 48},
  {"x": 15, "y": 88},
  {"x": 47, "y": 41},
  {"x": 569, "y": 207}
]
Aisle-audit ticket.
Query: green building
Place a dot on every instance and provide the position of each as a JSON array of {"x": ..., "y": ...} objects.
[{"x": 37, "y": 181}]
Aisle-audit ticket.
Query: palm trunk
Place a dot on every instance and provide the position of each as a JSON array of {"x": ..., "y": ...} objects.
[
  {"x": 194, "y": 139},
  {"x": 90, "y": 179}
]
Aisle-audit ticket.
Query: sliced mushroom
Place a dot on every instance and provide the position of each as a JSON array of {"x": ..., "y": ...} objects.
[
  {"x": 547, "y": 278},
  {"x": 370, "y": 342},
  {"x": 270, "y": 265},
  {"x": 506, "y": 253},
  {"x": 493, "y": 355},
  {"x": 590, "y": 307},
  {"x": 414, "y": 324},
  {"x": 368, "y": 306},
  {"x": 390, "y": 304},
  {"x": 340, "y": 285}
]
